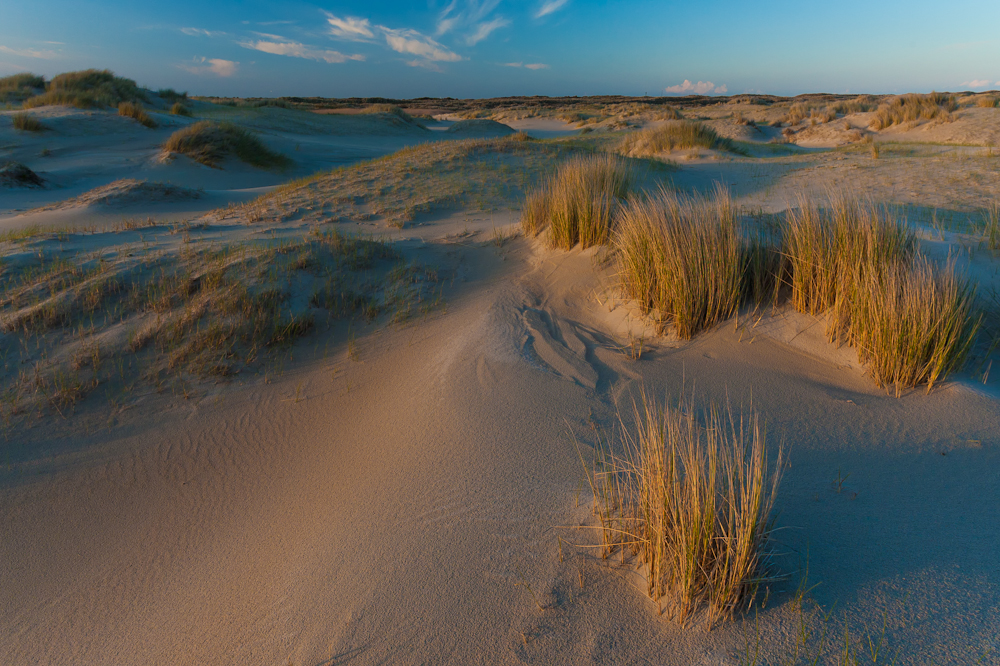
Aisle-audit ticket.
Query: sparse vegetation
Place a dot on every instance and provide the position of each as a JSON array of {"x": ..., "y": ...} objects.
[
  {"x": 179, "y": 109},
  {"x": 914, "y": 108},
  {"x": 213, "y": 312},
  {"x": 88, "y": 89},
  {"x": 481, "y": 174},
  {"x": 988, "y": 101},
  {"x": 135, "y": 111},
  {"x": 209, "y": 143},
  {"x": 674, "y": 135},
  {"x": 27, "y": 122},
  {"x": 693, "y": 503}
]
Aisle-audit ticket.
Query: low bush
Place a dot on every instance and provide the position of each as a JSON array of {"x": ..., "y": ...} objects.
[{"x": 209, "y": 142}]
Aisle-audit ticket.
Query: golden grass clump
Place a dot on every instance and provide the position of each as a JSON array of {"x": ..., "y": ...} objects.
[
  {"x": 914, "y": 324},
  {"x": 913, "y": 108},
  {"x": 682, "y": 258},
  {"x": 393, "y": 111},
  {"x": 26, "y": 122},
  {"x": 693, "y": 503},
  {"x": 209, "y": 142},
  {"x": 135, "y": 111},
  {"x": 579, "y": 202},
  {"x": 673, "y": 135},
  {"x": 179, "y": 109},
  {"x": 988, "y": 101},
  {"x": 88, "y": 89},
  {"x": 911, "y": 321}
]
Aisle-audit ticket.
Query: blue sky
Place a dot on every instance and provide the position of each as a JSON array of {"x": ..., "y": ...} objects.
[{"x": 483, "y": 48}]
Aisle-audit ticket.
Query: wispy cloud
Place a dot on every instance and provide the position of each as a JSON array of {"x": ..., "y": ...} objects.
[
  {"x": 550, "y": 6},
  {"x": 297, "y": 50},
  {"x": 30, "y": 53},
  {"x": 483, "y": 30},
  {"x": 413, "y": 43},
  {"x": 976, "y": 83},
  {"x": 350, "y": 27},
  {"x": 200, "y": 32},
  {"x": 216, "y": 66},
  {"x": 530, "y": 65},
  {"x": 700, "y": 88}
]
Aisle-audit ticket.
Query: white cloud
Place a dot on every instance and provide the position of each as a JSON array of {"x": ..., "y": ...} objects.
[
  {"x": 550, "y": 6},
  {"x": 483, "y": 30},
  {"x": 30, "y": 53},
  {"x": 350, "y": 27},
  {"x": 531, "y": 65},
  {"x": 297, "y": 50},
  {"x": 976, "y": 83},
  {"x": 199, "y": 32},
  {"x": 216, "y": 66},
  {"x": 700, "y": 88},
  {"x": 413, "y": 43}
]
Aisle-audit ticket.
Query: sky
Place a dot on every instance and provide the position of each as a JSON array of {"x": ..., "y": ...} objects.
[{"x": 490, "y": 48}]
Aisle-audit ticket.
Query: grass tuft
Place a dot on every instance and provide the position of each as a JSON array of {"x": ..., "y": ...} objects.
[
  {"x": 209, "y": 142},
  {"x": 673, "y": 135},
  {"x": 685, "y": 259},
  {"x": 135, "y": 111},
  {"x": 911, "y": 321},
  {"x": 693, "y": 502},
  {"x": 27, "y": 122},
  {"x": 580, "y": 201},
  {"x": 179, "y": 109}
]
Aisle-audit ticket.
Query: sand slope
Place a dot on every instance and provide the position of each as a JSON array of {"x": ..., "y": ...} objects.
[{"x": 397, "y": 511}]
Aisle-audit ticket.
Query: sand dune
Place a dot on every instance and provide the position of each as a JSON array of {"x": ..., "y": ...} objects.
[{"x": 410, "y": 491}]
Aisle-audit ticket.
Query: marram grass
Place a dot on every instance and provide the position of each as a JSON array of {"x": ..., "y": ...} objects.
[
  {"x": 579, "y": 203},
  {"x": 693, "y": 502}
]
